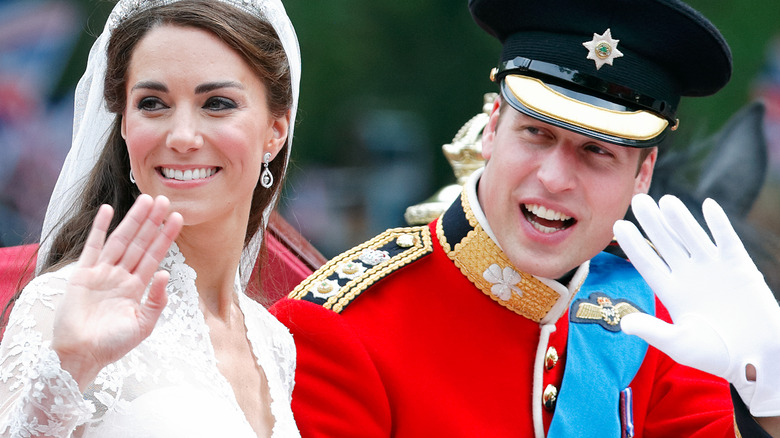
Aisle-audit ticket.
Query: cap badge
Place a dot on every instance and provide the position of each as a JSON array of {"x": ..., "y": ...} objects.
[{"x": 602, "y": 49}]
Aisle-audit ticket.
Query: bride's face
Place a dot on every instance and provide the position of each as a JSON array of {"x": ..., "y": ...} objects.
[{"x": 197, "y": 125}]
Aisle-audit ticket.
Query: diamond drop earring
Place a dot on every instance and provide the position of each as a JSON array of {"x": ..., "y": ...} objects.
[{"x": 266, "y": 178}]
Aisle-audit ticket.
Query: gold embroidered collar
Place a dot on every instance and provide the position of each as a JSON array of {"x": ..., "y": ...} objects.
[{"x": 478, "y": 257}]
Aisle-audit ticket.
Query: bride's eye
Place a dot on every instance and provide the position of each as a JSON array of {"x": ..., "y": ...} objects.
[
  {"x": 219, "y": 104},
  {"x": 150, "y": 104}
]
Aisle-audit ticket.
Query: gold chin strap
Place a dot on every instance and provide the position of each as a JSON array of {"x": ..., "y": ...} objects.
[{"x": 634, "y": 125}]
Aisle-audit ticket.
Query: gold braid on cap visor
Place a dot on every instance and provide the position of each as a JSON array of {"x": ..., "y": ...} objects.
[{"x": 633, "y": 125}]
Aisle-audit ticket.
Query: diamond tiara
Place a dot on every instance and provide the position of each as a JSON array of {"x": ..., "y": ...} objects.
[{"x": 127, "y": 8}]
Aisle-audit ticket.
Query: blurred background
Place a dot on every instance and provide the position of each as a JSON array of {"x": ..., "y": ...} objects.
[{"x": 385, "y": 84}]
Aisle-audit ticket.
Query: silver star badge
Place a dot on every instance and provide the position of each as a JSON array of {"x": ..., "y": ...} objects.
[{"x": 603, "y": 49}]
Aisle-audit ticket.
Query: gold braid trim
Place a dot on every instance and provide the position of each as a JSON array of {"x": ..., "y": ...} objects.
[
  {"x": 477, "y": 252},
  {"x": 421, "y": 244}
]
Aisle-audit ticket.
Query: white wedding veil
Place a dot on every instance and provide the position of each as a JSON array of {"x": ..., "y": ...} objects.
[{"x": 92, "y": 121}]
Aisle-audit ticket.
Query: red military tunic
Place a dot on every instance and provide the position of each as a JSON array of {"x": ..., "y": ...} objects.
[{"x": 400, "y": 337}]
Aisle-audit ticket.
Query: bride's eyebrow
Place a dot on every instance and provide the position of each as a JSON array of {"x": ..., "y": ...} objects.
[
  {"x": 150, "y": 85},
  {"x": 200, "y": 89},
  {"x": 211, "y": 86}
]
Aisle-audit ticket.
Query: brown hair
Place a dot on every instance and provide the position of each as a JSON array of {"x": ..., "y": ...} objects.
[{"x": 250, "y": 36}]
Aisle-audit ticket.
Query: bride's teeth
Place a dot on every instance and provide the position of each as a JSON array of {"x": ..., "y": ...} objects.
[{"x": 189, "y": 174}]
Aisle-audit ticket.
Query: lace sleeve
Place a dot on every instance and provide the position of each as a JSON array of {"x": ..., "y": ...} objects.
[{"x": 37, "y": 397}]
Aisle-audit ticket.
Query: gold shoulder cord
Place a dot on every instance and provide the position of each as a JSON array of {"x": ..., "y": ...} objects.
[{"x": 378, "y": 257}]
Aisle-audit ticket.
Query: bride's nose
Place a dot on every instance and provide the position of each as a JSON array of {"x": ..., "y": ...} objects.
[{"x": 184, "y": 134}]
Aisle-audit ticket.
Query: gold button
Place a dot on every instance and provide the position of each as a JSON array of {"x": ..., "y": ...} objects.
[
  {"x": 549, "y": 397},
  {"x": 550, "y": 358}
]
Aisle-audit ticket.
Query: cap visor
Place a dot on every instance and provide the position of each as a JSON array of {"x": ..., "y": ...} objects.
[{"x": 637, "y": 128}]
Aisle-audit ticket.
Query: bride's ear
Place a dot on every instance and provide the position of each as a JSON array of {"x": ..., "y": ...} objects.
[{"x": 279, "y": 131}]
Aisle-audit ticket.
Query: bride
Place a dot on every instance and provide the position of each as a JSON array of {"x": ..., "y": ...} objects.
[{"x": 182, "y": 134}]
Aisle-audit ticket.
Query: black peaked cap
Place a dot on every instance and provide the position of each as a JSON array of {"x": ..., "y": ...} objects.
[{"x": 669, "y": 49}]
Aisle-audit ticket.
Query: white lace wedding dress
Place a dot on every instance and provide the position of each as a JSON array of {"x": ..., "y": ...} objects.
[{"x": 168, "y": 386}]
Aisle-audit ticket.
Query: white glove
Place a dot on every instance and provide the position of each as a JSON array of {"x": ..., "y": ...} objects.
[{"x": 725, "y": 317}]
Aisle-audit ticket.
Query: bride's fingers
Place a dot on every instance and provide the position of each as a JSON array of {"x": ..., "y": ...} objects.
[
  {"x": 150, "y": 261},
  {"x": 120, "y": 238},
  {"x": 155, "y": 303},
  {"x": 97, "y": 236},
  {"x": 150, "y": 228}
]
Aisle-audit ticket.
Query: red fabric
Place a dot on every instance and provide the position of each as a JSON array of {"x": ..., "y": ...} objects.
[
  {"x": 17, "y": 263},
  {"x": 281, "y": 271},
  {"x": 424, "y": 353}
]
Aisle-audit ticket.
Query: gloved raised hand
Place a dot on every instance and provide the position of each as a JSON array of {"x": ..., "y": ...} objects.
[{"x": 725, "y": 318}]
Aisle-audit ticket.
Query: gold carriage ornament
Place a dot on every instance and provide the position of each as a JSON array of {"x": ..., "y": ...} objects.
[{"x": 465, "y": 156}]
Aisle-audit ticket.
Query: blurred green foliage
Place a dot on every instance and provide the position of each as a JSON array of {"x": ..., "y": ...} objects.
[{"x": 426, "y": 58}]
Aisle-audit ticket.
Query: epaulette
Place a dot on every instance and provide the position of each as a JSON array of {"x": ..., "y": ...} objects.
[{"x": 342, "y": 279}]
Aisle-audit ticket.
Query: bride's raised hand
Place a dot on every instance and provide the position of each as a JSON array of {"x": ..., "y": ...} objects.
[{"x": 103, "y": 314}]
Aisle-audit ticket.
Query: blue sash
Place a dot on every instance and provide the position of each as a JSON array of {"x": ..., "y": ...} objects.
[{"x": 601, "y": 360}]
